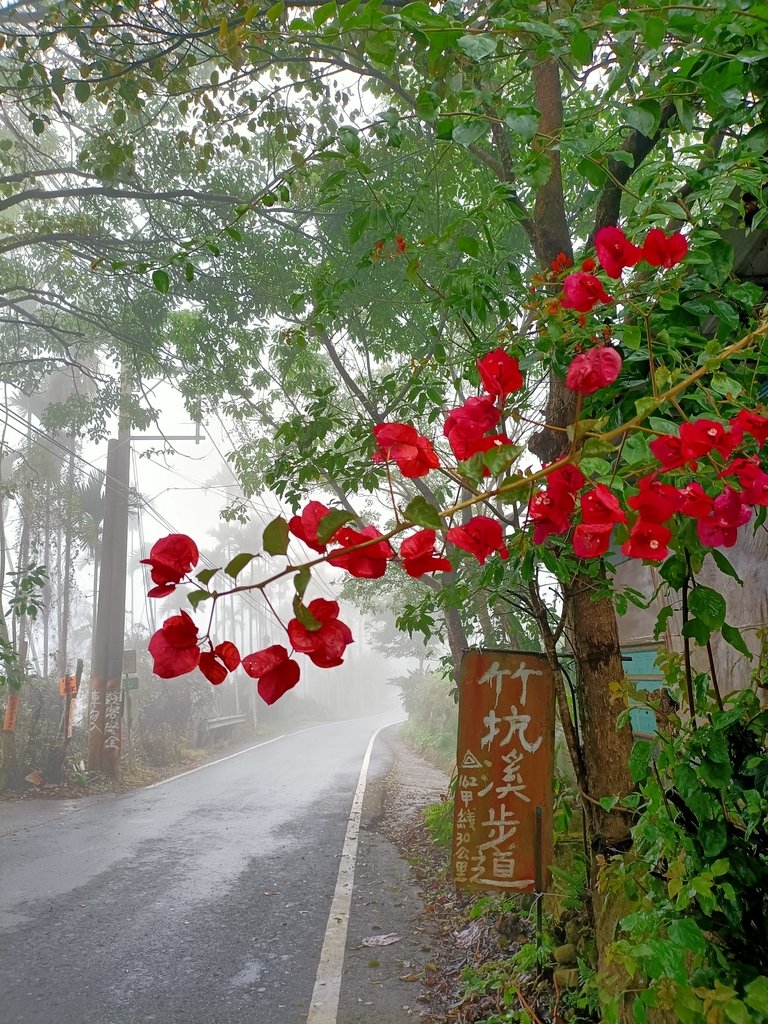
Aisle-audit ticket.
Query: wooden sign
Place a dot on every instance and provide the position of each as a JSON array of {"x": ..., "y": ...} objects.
[{"x": 502, "y": 836}]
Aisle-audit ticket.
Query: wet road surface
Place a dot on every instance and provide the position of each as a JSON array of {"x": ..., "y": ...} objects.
[{"x": 203, "y": 900}]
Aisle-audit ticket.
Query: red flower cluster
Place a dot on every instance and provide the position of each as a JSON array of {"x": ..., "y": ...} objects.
[
  {"x": 500, "y": 374},
  {"x": 481, "y": 536},
  {"x": 305, "y": 526},
  {"x": 550, "y": 510},
  {"x": 174, "y": 647},
  {"x": 171, "y": 558},
  {"x": 582, "y": 292},
  {"x": 718, "y": 517},
  {"x": 370, "y": 562},
  {"x": 466, "y": 426},
  {"x": 594, "y": 369},
  {"x": 419, "y": 556},
  {"x": 401, "y": 443},
  {"x": 324, "y": 646},
  {"x": 560, "y": 263},
  {"x": 615, "y": 251},
  {"x": 600, "y": 511},
  {"x": 275, "y": 671}
]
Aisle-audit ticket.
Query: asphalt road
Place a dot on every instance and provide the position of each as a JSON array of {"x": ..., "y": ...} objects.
[{"x": 203, "y": 900}]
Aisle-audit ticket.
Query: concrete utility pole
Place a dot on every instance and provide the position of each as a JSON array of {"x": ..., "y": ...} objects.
[{"x": 107, "y": 668}]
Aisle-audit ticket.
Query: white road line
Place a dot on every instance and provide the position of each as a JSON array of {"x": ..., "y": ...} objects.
[
  {"x": 325, "y": 996},
  {"x": 209, "y": 764}
]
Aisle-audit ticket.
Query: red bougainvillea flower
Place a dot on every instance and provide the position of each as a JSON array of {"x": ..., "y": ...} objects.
[
  {"x": 419, "y": 556},
  {"x": 668, "y": 450},
  {"x": 480, "y": 537},
  {"x": 702, "y": 436},
  {"x": 550, "y": 514},
  {"x": 369, "y": 563},
  {"x": 615, "y": 251},
  {"x": 590, "y": 540},
  {"x": 275, "y": 671},
  {"x": 694, "y": 501},
  {"x": 656, "y": 501},
  {"x": 582, "y": 292},
  {"x": 752, "y": 423},
  {"x": 600, "y": 506},
  {"x": 174, "y": 647},
  {"x": 500, "y": 373},
  {"x": 324, "y": 646},
  {"x": 305, "y": 526},
  {"x": 471, "y": 446},
  {"x": 567, "y": 479},
  {"x": 404, "y": 445},
  {"x": 719, "y": 528},
  {"x": 752, "y": 478},
  {"x": 465, "y": 425},
  {"x": 594, "y": 369},
  {"x": 661, "y": 250},
  {"x": 550, "y": 510},
  {"x": 647, "y": 540},
  {"x": 218, "y": 663},
  {"x": 171, "y": 558}
]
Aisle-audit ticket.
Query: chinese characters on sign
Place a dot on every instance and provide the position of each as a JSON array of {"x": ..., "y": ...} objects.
[{"x": 505, "y": 765}]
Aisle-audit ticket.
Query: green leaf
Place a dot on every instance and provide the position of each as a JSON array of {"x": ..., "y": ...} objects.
[
  {"x": 581, "y": 47},
  {"x": 662, "y": 618},
  {"x": 498, "y": 460},
  {"x": 674, "y": 571},
  {"x": 331, "y": 522},
  {"x": 161, "y": 281},
  {"x": 591, "y": 168},
  {"x": 469, "y": 245},
  {"x": 238, "y": 563},
  {"x": 523, "y": 124},
  {"x": 197, "y": 597},
  {"x": 644, "y": 116},
  {"x": 82, "y": 91},
  {"x": 733, "y": 636},
  {"x": 709, "y": 606},
  {"x": 206, "y": 575},
  {"x": 697, "y": 630},
  {"x": 421, "y": 513},
  {"x": 756, "y": 995},
  {"x": 639, "y": 759},
  {"x": 645, "y": 406},
  {"x": 477, "y": 47},
  {"x": 304, "y": 615},
  {"x": 654, "y": 32},
  {"x": 301, "y": 580},
  {"x": 686, "y": 933},
  {"x": 323, "y": 13},
  {"x": 350, "y": 140},
  {"x": 275, "y": 537},
  {"x": 468, "y": 132},
  {"x": 725, "y": 566}
]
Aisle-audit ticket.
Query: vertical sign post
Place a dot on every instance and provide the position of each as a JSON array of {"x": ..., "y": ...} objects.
[{"x": 502, "y": 837}]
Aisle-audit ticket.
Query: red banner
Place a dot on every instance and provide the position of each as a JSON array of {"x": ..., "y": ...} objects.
[{"x": 502, "y": 836}]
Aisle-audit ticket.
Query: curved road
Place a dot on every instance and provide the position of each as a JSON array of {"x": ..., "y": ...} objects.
[{"x": 201, "y": 900}]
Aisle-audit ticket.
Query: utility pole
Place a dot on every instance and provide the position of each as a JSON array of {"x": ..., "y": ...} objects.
[{"x": 106, "y": 671}]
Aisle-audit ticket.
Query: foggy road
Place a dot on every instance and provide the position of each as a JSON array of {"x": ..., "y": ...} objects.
[{"x": 201, "y": 900}]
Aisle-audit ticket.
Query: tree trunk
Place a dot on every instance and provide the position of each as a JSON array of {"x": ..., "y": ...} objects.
[{"x": 595, "y": 639}]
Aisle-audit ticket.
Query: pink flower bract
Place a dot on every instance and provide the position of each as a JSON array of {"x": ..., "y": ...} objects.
[
  {"x": 582, "y": 292},
  {"x": 594, "y": 369},
  {"x": 615, "y": 251}
]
